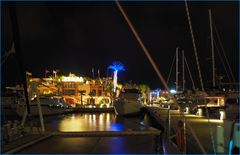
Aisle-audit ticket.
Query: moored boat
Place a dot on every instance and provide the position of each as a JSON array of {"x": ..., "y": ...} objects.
[{"x": 128, "y": 103}]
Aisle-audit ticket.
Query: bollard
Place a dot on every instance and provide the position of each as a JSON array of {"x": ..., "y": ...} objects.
[
  {"x": 169, "y": 107},
  {"x": 187, "y": 110},
  {"x": 200, "y": 112},
  {"x": 222, "y": 114},
  {"x": 220, "y": 140}
]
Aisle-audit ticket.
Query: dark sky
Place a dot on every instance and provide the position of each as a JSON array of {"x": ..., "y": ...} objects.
[{"x": 75, "y": 37}]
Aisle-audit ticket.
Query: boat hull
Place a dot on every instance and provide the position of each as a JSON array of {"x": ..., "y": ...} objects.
[{"x": 126, "y": 108}]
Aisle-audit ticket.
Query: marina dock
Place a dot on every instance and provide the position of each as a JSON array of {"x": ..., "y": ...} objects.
[{"x": 201, "y": 133}]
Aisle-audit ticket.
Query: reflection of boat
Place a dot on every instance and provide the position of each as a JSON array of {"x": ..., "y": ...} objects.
[{"x": 128, "y": 103}]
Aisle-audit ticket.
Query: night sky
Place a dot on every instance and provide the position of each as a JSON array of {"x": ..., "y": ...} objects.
[{"x": 75, "y": 37}]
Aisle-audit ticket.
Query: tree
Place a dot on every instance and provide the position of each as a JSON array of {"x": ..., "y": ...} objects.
[
  {"x": 91, "y": 94},
  {"x": 82, "y": 92},
  {"x": 108, "y": 87},
  {"x": 116, "y": 66},
  {"x": 145, "y": 89},
  {"x": 59, "y": 84}
]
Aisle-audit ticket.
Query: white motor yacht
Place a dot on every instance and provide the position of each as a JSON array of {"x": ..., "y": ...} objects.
[{"x": 128, "y": 103}]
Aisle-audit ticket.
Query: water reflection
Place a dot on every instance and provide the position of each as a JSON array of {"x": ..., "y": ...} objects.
[
  {"x": 87, "y": 122},
  {"x": 95, "y": 122}
]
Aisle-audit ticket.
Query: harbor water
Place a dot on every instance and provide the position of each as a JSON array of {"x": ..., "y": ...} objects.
[
  {"x": 77, "y": 122},
  {"x": 80, "y": 122}
]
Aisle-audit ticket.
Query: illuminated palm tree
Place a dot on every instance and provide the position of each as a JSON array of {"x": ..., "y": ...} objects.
[
  {"x": 116, "y": 66},
  {"x": 145, "y": 89}
]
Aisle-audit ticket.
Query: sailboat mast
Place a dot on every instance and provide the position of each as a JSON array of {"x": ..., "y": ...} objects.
[
  {"x": 212, "y": 45},
  {"x": 183, "y": 75},
  {"x": 177, "y": 69}
]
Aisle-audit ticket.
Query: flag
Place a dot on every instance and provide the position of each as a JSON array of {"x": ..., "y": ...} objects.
[
  {"x": 93, "y": 72},
  {"x": 98, "y": 73}
]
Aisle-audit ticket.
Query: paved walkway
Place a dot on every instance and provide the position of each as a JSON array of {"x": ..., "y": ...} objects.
[{"x": 204, "y": 129}]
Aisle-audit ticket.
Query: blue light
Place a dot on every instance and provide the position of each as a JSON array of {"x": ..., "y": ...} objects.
[
  {"x": 158, "y": 90},
  {"x": 230, "y": 147},
  {"x": 117, "y": 127},
  {"x": 117, "y": 66},
  {"x": 173, "y": 91},
  {"x": 142, "y": 122}
]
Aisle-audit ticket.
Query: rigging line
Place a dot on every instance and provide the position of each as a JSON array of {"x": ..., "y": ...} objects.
[
  {"x": 198, "y": 66},
  {"x": 194, "y": 88},
  {"x": 8, "y": 54},
  {"x": 147, "y": 53},
  {"x": 5, "y": 58},
  {"x": 171, "y": 69},
  {"x": 223, "y": 51},
  {"x": 194, "y": 45},
  {"x": 197, "y": 139},
  {"x": 143, "y": 46},
  {"x": 212, "y": 49},
  {"x": 222, "y": 61}
]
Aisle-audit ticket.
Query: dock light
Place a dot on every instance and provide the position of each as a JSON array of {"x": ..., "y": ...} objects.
[
  {"x": 187, "y": 110},
  {"x": 222, "y": 114},
  {"x": 173, "y": 91},
  {"x": 200, "y": 112}
]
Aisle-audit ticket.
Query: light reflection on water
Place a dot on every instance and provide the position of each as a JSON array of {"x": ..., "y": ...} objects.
[
  {"x": 92, "y": 122},
  {"x": 97, "y": 122},
  {"x": 87, "y": 122}
]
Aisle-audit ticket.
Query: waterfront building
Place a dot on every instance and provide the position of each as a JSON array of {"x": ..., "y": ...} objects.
[{"x": 76, "y": 90}]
